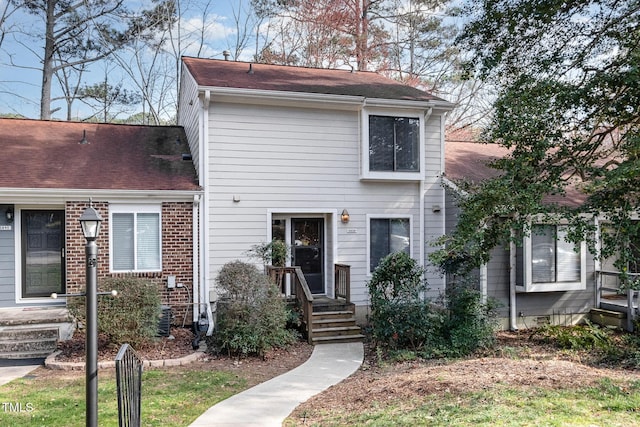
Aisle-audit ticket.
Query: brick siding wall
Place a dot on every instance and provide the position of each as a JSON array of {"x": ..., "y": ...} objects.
[{"x": 177, "y": 254}]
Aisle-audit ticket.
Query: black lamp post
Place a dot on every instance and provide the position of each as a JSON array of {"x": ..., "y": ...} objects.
[{"x": 90, "y": 222}]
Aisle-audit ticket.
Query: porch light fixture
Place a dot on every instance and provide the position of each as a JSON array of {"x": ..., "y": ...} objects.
[
  {"x": 90, "y": 221},
  {"x": 344, "y": 216},
  {"x": 9, "y": 214}
]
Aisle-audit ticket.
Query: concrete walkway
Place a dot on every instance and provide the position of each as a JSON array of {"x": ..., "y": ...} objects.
[
  {"x": 269, "y": 403},
  {"x": 11, "y": 369}
]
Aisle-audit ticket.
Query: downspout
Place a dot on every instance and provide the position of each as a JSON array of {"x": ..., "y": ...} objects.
[
  {"x": 195, "y": 259},
  {"x": 483, "y": 283},
  {"x": 422, "y": 192},
  {"x": 513, "y": 325},
  {"x": 204, "y": 206}
]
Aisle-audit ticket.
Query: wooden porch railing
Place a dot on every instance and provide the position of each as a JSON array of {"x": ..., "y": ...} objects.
[
  {"x": 342, "y": 275},
  {"x": 609, "y": 282},
  {"x": 292, "y": 283}
]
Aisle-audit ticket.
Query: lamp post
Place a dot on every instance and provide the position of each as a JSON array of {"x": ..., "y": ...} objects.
[{"x": 90, "y": 222}]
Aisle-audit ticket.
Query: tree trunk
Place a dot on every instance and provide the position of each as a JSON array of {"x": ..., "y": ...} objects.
[{"x": 47, "y": 66}]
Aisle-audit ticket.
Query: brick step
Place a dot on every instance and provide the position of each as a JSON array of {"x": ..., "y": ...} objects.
[{"x": 338, "y": 339}]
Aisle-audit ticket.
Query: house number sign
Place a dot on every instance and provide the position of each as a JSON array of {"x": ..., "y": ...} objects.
[{"x": 5, "y": 228}]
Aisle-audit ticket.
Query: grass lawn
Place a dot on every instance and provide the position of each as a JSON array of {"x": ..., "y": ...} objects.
[{"x": 170, "y": 397}]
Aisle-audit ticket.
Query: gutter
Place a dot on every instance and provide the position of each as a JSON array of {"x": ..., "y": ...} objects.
[{"x": 48, "y": 195}]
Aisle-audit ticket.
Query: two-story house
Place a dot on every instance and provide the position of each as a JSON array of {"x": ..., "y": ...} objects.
[{"x": 345, "y": 166}]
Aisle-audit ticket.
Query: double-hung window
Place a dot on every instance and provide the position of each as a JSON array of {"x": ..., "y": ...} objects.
[
  {"x": 551, "y": 262},
  {"x": 387, "y": 236},
  {"x": 136, "y": 243},
  {"x": 392, "y": 147}
]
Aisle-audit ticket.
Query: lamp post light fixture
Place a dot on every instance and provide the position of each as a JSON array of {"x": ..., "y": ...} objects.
[{"x": 90, "y": 222}]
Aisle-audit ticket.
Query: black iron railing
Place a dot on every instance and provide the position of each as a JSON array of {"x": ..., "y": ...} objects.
[{"x": 129, "y": 383}]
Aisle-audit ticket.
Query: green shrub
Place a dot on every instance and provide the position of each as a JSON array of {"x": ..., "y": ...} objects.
[
  {"x": 130, "y": 317},
  {"x": 471, "y": 324},
  {"x": 275, "y": 253},
  {"x": 402, "y": 318},
  {"x": 252, "y": 315},
  {"x": 579, "y": 337}
]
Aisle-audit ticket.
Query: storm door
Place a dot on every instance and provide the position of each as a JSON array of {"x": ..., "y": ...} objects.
[
  {"x": 307, "y": 250},
  {"x": 42, "y": 253}
]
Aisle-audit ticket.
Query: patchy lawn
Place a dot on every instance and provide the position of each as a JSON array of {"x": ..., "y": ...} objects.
[{"x": 520, "y": 382}]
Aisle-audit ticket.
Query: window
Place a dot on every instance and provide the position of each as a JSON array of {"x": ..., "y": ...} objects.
[
  {"x": 394, "y": 144},
  {"x": 135, "y": 239},
  {"x": 552, "y": 263},
  {"x": 387, "y": 236}
]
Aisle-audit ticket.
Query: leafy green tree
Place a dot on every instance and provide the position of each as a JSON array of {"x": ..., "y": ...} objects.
[{"x": 568, "y": 75}]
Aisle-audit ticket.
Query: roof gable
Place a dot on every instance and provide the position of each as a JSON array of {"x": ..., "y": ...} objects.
[
  {"x": 253, "y": 76},
  {"x": 51, "y": 154}
]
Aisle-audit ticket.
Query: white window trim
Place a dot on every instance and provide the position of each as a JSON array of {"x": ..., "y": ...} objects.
[
  {"x": 529, "y": 286},
  {"x": 364, "y": 145},
  {"x": 387, "y": 216},
  {"x": 134, "y": 209}
]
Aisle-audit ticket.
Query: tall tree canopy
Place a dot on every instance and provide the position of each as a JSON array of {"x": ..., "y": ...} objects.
[
  {"x": 79, "y": 33},
  {"x": 568, "y": 108}
]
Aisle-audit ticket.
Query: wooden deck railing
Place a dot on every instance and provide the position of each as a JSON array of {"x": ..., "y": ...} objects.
[
  {"x": 342, "y": 275},
  {"x": 293, "y": 284},
  {"x": 608, "y": 282}
]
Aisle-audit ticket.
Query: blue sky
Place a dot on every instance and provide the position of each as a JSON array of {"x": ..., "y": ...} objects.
[{"x": 20, "y": 74}]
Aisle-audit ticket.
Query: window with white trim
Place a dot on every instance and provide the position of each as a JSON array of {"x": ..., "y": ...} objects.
[
  {"x": 392, "y": 145},
  {"x": 387, "y": 236},
  {"x": 136, "y": 243},
  {"x": 551, "y": 262}
]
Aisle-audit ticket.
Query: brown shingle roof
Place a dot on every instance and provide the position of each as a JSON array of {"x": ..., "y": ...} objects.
[
  {"x": 468, "y": 161},
  {"x": 245, "y": 75},
  {"x": 48, "y": 154}
]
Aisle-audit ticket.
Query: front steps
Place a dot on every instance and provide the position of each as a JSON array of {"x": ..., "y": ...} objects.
[
  {"x": 31, "y": 343},
  {"x": 334, "y": 321},
  {"x": 610, "y": 318},
  {"x": 27, "y": 333}
]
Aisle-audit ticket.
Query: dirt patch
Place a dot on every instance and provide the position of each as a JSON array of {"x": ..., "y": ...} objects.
[
  {"x": 516, "y": 360},
  {"x": 176, "y": 345},
  {"x": 254, "y": 369}
]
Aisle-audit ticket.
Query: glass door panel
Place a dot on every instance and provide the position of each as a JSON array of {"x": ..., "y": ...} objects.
[{"x": 42, "y": 253}]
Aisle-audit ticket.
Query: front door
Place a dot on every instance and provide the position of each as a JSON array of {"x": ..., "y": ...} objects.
[
  {"x": 307, "y": 243},
  {"x": 42, "y": 253}
]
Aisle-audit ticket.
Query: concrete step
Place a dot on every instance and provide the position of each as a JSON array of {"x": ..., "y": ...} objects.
[
  {"x": 20, "y": 342},
  {"x": 608, "y": 317}
]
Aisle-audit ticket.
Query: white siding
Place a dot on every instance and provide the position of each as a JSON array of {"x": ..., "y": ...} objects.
[
  {"x": 189, "y": 114},
  {"x": 306, "y": 160}
]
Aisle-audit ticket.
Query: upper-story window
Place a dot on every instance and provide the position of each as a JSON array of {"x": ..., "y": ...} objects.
[
  {"x": 392, "y": 146},
  {"x": 135, "y": 238}
]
